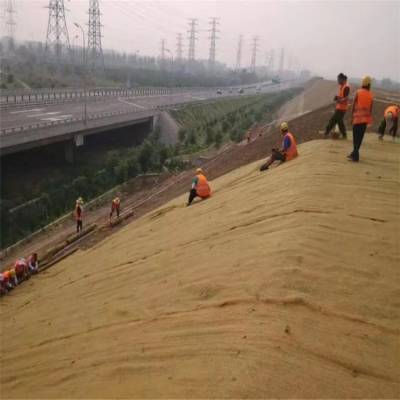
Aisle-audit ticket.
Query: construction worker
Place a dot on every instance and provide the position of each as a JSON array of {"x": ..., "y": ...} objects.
[
  {"x": 342, "y": 101},
  {"x": 21, "y": 269},
  {"x": 248, "y": 136},
  {"x": 115, "y": 206},
  {"x": 361, "y": 116},
  {"x": 288, "y": 150},
  {"x": 200, "y": 187},
  {"x": 33, "y": 263},
  {"x": 391, "y": 114},
  {"x": 79, "y": 214},
  {"x": 3, "y": 285}
]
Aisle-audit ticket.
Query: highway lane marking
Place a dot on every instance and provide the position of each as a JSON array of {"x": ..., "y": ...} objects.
[
  {"x": 25, "y": 111},
  {"x": 132, "y": 104},
  {"x": 43, "y": 114},
  {"x": 58, "y": 118}
]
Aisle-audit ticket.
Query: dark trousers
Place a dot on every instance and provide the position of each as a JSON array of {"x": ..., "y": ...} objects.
[
  {"x": 337, "y": 118},
  {"x": 79, "y": 225},
  {"x": 192, "y": 196},
  {"x": 276, "y": 155},
  {"x": 358, "y": 136},
  {"x": 392, "y": 130}
]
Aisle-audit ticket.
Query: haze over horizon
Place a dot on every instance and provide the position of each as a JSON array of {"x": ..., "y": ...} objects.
[{"x": 355, "y": 37}]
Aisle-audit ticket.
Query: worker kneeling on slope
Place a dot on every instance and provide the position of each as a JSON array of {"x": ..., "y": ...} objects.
[
  {"x": 288, "y": 151},
  {"x": 200, "y": 187},
  {"x": 391, "y": 114}
]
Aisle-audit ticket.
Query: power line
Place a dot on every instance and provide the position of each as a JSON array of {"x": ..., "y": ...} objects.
[
  {"x": 254, "y": 53},
  {"x": 239, "y": 53},
  {"x": 57, "y": 38},
  {"x": 213, "y": 39},
  {"x": 95, "y": 50}
]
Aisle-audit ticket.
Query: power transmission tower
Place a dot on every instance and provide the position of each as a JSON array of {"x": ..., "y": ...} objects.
[
  {"x": 162, "y": 56},
  {"x": 239, "y": 53},
  {"x": 179, "y": 47},
  {"x": 192, "y": 39},
  {"x": 254, "y": 53},
  {"x": 57, "y": 38},
  {"x": 213, "y": 39},
  {"x": 94, "y": 49},
  {"x": 271, "y": 61},
  {"x": 281, "y": 61},
  {"x": 10, "y": 24}
]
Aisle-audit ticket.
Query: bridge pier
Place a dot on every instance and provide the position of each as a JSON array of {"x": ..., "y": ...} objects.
[
  {"x": 69, "y": 152},
  {"x": 69, "y": 147}
]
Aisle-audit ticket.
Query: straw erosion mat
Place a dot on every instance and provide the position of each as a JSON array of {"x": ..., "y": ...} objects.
[{"x": 282, "y": 284}]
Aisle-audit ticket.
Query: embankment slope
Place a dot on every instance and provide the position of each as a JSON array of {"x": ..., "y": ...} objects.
[{"x": 283, "y": 284}]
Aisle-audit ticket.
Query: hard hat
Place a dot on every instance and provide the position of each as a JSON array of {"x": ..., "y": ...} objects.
[
  {"x": 366, "y": 80},
  {"x": 389, "y": 116},
  {"x": 199, "y": 171},
  {"x": 79, "y": 200},
  {"x": 284, "y": 126}
]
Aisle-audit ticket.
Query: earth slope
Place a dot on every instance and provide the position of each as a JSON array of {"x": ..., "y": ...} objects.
[{"x": 282, "y": 284}]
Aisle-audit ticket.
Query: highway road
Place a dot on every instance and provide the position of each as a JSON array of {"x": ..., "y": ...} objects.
[{"x": 16, "y": 117}]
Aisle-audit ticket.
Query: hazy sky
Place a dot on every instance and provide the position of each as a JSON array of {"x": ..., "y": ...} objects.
[{"x": 356, "y": 37}]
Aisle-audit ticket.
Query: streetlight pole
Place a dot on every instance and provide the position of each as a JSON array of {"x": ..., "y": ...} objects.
[{"x": 84, "y": 73}]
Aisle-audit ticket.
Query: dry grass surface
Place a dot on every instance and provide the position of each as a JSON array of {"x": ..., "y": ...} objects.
[{"x": 283, "y": 284}]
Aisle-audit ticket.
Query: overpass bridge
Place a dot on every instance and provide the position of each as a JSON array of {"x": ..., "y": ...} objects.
[{"x": 35, "y": 121}]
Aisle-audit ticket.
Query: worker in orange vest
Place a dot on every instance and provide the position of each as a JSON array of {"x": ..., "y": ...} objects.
[
  {"x": 115, "y": 206},
  {"x": 79, "y": 214},
  {"x": 21, "y": 269},
  {"x": 361, "y": 116},
  {"x": 342, "y": 101},
  {"x": 288, "y": 150},
  {"x": 391, "y": 114},
  {"x": 200, "y": 187}
]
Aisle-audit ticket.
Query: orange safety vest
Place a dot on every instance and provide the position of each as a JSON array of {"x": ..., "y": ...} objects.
[
  {"x": 291, "y": 152},
  {"x": 115, "y": 203},
  {"x": 362, "y": 107},
  {"x": 343, "y": 105},
  {"x": 392, "y": 109},
  {"x": 202, "y": 188},
  {"x": 78, "y": 215}
]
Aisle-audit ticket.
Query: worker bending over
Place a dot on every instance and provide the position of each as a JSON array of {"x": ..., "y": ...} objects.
[
  {"x": 361, "y": 116},
  {"x": 288, "y": 150},
  {"x": 391, "y": 114},
  {"x": 33, "y": 263},
  {"x": 200, "y": 187},
  {"x": 342, "y": 101},
  {"x": 79, "y": 214},
  {"x": 115, "y": 206},
  {"x": 21, "y": 269}
]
